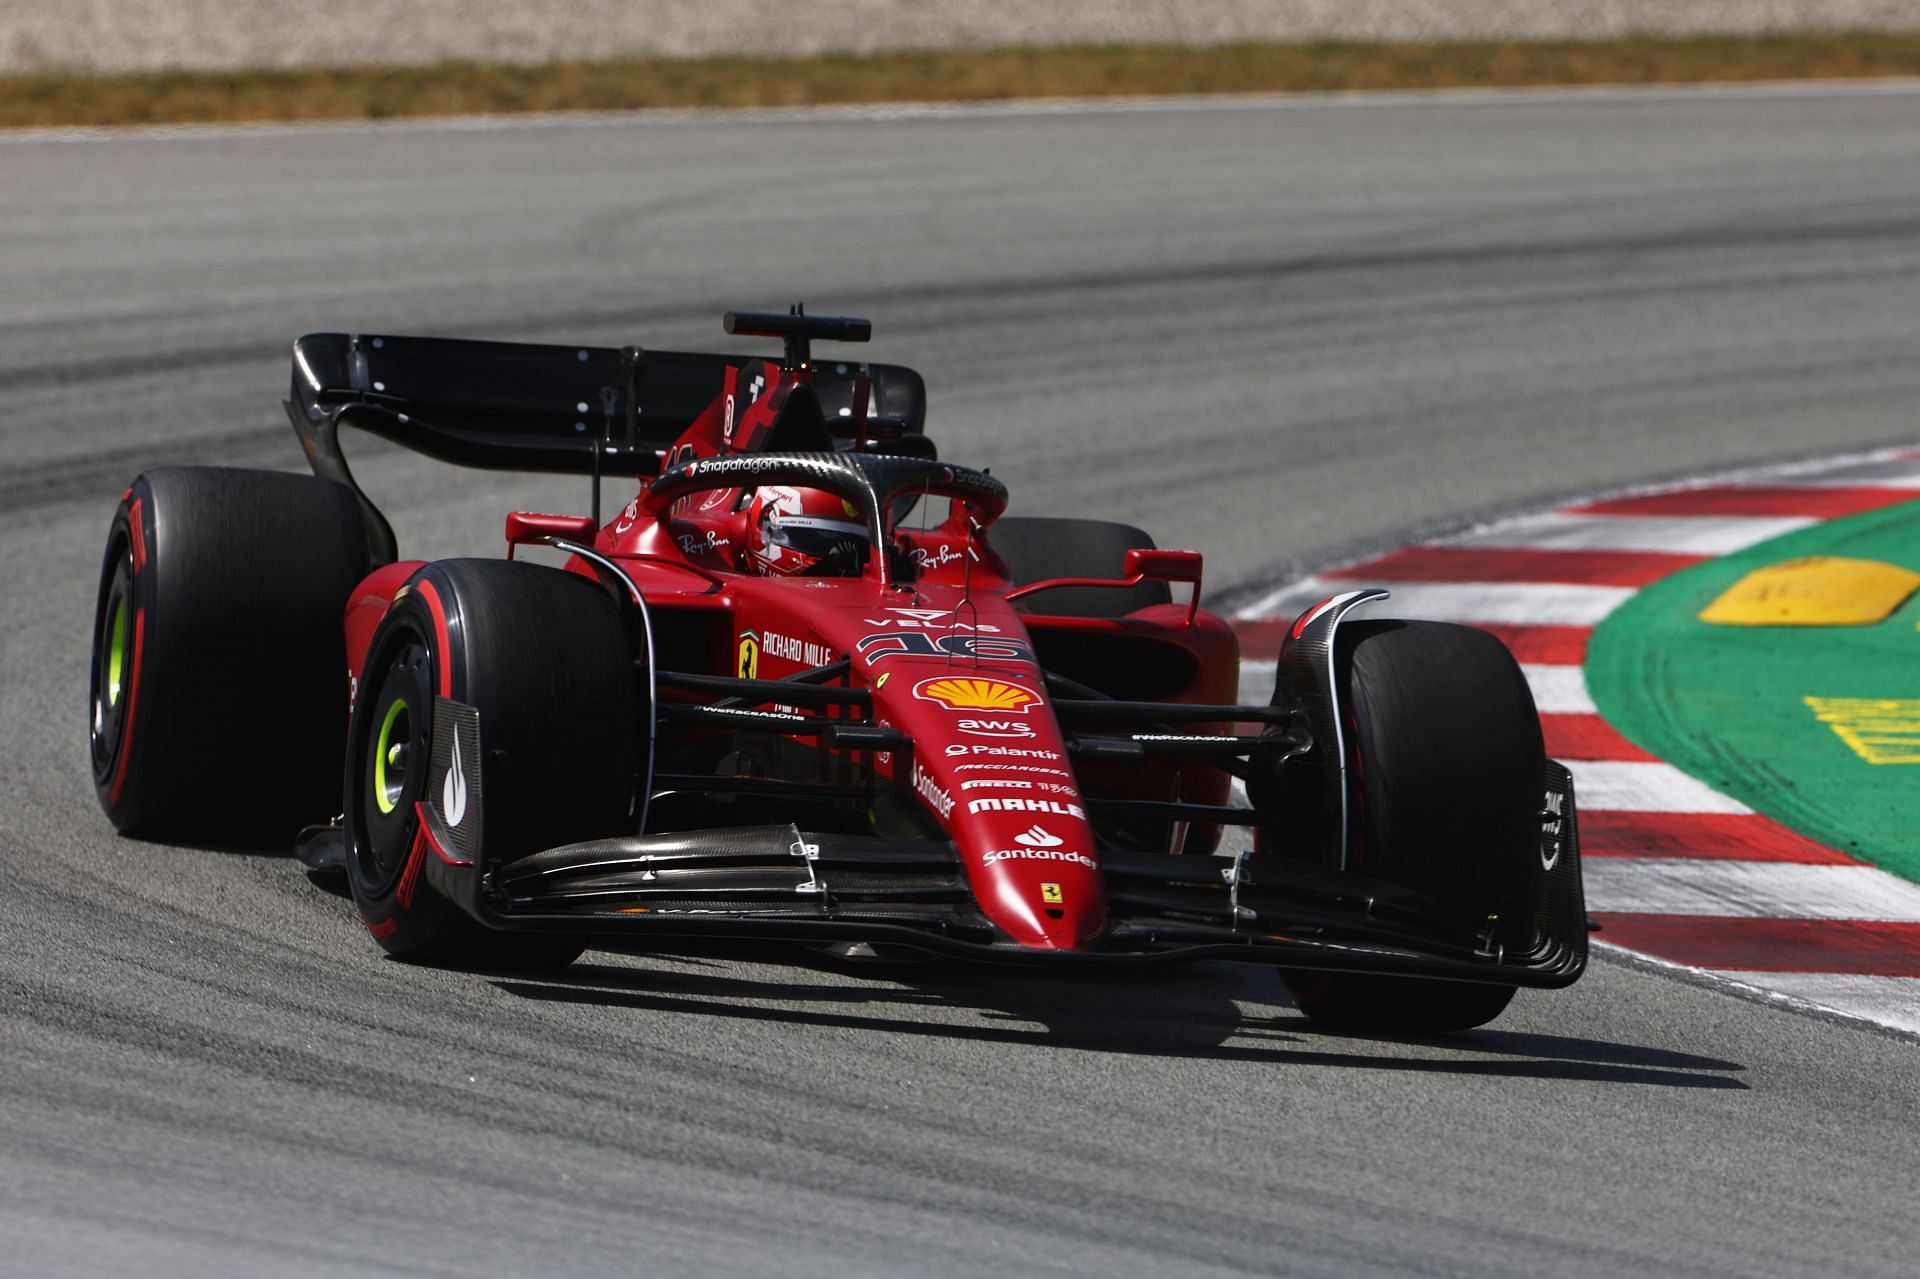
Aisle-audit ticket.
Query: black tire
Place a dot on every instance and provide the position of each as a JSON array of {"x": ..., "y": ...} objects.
[
  {"x": 543, "y": 657},
  {"x": 217, "y": 705},
  {"x": 1448, "y": 779},
  {"x": 1036, "y": 549}
]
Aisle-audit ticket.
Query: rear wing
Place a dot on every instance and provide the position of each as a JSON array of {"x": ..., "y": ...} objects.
[{"x": 524, "y": 407}]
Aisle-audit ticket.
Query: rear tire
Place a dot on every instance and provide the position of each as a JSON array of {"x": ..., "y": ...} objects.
[
  {"x": 1036, "y": 549},
  {"x": 219, "y": 690},
  {"x": 1447, "y": 780},
  {"x": 542, "y": 656}
]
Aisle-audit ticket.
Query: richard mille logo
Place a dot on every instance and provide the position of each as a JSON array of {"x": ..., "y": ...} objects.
[{"x": 453, "y": 792}]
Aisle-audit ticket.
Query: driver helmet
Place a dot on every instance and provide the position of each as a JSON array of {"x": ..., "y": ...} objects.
[{"x": 800, "y": 532}]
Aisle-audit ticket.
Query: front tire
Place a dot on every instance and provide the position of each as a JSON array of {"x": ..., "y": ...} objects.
[
  {"x": 536, "y": 663},
  {"x": 1447, "y": 774}
]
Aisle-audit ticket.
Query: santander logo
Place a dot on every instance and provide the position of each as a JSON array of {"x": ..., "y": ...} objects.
[{"x": 1038, "y": 837}]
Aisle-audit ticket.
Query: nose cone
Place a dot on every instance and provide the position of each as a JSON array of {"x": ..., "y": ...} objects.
[
  {"x": 989, "y": 761},
  {"x": 1056, "y": 905}
]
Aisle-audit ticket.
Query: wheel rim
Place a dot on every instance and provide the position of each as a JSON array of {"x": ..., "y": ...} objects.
[
  {"x": 116, "y": 651},
  {"x": 392, "y": 754},
  {"x": 390, "y": 766},
  {"x": 112, "y": 670}
]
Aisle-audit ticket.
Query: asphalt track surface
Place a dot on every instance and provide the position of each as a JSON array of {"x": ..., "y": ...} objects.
[{"x": 1275, "y": 332}]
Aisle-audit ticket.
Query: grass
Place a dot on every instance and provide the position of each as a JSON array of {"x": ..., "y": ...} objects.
[{"x": 377, "y": 93}]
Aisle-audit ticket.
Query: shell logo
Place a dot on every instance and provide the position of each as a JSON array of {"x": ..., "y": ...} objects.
[{"x": 976, "y": 695}]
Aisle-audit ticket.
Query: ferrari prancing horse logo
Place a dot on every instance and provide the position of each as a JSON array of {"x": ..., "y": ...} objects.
[{"x": 748, "y": 664}]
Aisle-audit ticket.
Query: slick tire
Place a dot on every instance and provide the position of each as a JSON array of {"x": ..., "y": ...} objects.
[
  {"x": 542, "y": 659},
  {"x": 1035, "y": 549},
  {"x": 1448, "y": 771},
  {"x": 218, "y": 699}
]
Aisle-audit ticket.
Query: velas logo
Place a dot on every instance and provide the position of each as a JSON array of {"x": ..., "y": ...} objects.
[
  {"x": 958, "y": 694},
  {"x": 1038, "y": 836}
]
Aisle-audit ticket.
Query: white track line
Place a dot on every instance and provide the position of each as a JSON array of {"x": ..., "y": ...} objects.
[
  {"x": 1676, "y": 534},
  {"x": 1891, "y": 1001},
  {"x": 1524, "y": 603},
  {"x": 1559, "y": 690},
  {"x": 1897, "y": 475},
  {"x": 1771, "y": 890},
  {"x": 1619, "y": 786}
]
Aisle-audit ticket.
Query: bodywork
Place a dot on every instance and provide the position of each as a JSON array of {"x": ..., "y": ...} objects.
[{"x": 921, "y": 755}]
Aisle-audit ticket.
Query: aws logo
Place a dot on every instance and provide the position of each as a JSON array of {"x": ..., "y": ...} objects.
[
  {"x": 958, "y": 694},
  {"x": 995, "y": 727}
]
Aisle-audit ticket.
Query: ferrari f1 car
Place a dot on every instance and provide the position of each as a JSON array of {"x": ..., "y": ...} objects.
[{"x": 810, "y": 683}]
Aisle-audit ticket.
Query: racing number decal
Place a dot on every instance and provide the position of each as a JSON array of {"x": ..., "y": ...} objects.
[
  {"x": 748, "y": 659},
  {"x": 876, "y": 648}
]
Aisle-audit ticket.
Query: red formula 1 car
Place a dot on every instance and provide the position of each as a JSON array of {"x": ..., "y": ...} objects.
[{"x": 807, "y": 684}]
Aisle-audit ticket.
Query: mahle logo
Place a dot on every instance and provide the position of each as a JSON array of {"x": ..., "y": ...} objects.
[{"x": 976, "y": 695}]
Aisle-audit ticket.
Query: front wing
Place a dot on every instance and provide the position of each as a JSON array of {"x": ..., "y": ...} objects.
[{"x": 780, "y": 882}]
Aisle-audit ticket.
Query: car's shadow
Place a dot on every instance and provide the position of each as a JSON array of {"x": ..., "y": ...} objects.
[{"x": 1188, "y": 1012}]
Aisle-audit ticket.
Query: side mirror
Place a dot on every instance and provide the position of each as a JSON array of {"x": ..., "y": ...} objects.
[
  {"x": 1164, "y": 566},
  {"x": 530, "y": 528}
]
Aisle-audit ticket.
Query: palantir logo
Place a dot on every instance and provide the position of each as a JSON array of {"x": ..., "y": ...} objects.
[
  {"x": 1038, "y": 836},
  {"x": 453, "y": 791}
]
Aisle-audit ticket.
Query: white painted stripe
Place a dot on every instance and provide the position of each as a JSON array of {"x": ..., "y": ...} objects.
[
  {"x": 1772, "y": 890},
  {"x": 1256, "y": 682},
  {"x": 1523, "y": 603},
  {"x": 1675, "y": 534},
  {"x": 1890, "y": 1001},
  {"x": 1293, "y": 599},
  {"x": 1646, "y": 788},
  {"x": 1559, "y": 690},
  {"x": 1879, "y": 475}
]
